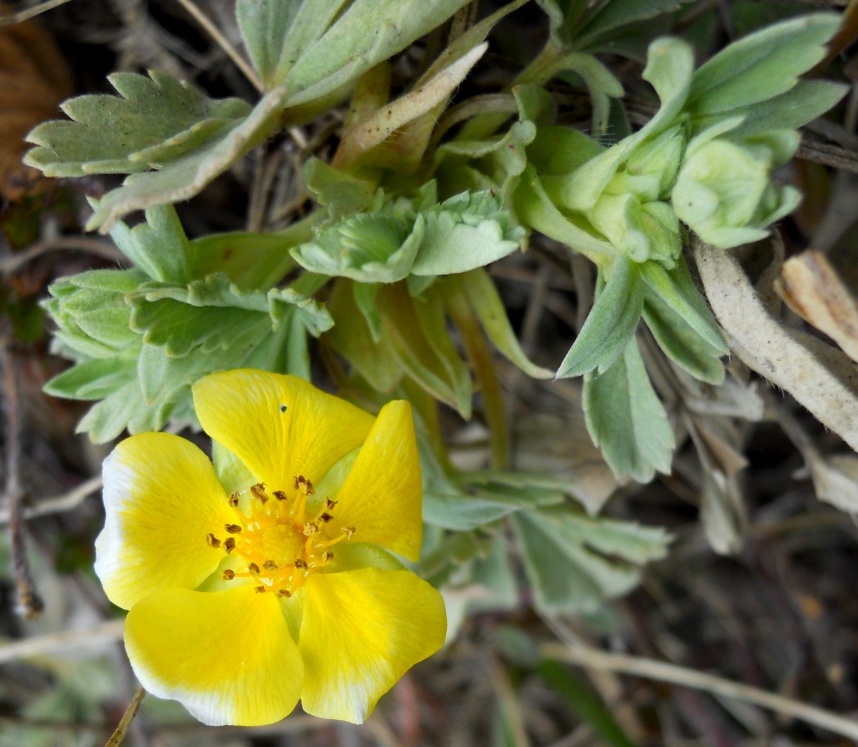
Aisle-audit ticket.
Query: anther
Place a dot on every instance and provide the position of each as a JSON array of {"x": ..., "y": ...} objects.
[
  {"x": 232, "y": 528},
  {"x": 258, "y": 492},
  {"x": 212, "y": 540},
  {"x": 280, "y": 495},
  {"x": 310, "y": 528},
  {"x": 259, "y": 589},
  {"x": 233, "y": 498},
  {"x": 253, "y": 568},
  {"x": 329, "y": 504},
  {"x": 229, "y": 545},
  {"x": 328, "y": 555},
  {"x": 299, "y": 563},
  {"x": 269, "y": 565},
  {"x": 326, "y": 517},
  {"x": 228, "y": 574},
  {"x": 284, "y": 593},
  {"x": 349, "y": 531}
]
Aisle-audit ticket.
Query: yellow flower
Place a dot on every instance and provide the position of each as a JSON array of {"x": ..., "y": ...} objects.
[{"x": 269, "y": 577}]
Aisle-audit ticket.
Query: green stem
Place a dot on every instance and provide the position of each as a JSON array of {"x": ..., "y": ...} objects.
[{"x": 464, "y": 317}]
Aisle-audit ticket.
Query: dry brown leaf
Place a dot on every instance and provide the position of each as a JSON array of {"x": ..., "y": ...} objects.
[
  {"x": 812, "y": 288},
  {"x": 34, "y": 79}
]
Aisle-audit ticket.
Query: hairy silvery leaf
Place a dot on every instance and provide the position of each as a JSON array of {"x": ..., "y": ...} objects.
[
  {"x": 467, "y": 231},
  {"x": 724, "y": 191},
  {"x": 368, "y": 32},
  {"x": 761, "y": 66},
  {"x": 626, "y": 420},
  {"x": 91, "y": 314},
  {"x": 159, "y": 246},
  {"x": 153, "y": 120},
  {"x": 575, "y": 562},
  {"x": 641, "y": 231},
  {"x": 138, "y": 345},
  {"x": 670, "y": 64},
  {"x": 610, "y": 324}
]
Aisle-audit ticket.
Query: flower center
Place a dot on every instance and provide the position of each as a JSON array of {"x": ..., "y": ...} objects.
[{"x": 274, "y": 542}]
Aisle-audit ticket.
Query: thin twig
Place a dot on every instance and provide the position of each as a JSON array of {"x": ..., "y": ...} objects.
[
  {"x": 127, "y": 717},
  {"x": 219, "y": 39},
  {"x": 828, "y": 155},
  {"x": 663, "y": 672},
  {"x": 29, "y": 603},
  {"x": 57, "y": 504},
  {"x": 64, "y": 640},
  {"x": 26, "y": 14},
  {"x": 104, "y": 249}
]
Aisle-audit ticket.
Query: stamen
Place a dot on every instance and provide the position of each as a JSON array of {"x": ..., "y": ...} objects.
[
  {"x": 259, "y": 589},
  {"x": 229, "y": 545},
  {"x": 212, "y": 540},
  {"x": 269, "y": 565},
  {"x": 258, "y": 492},
  {"x": 233, "y": 498},
  {"x": 280, "y": 495},
  {"x": 310, "y": 528},
  {"x": 253, "y": 568},
  {"x": 299, "y": 563},
  {"x": 326, "y": 517},
  {"x": 232, "y": 528},
  {"x": 284, "y": 593},
  {"x": 349, "y": 531},
  {"x": 228, "y": 574},
  {"x": 329, "y": 504}
]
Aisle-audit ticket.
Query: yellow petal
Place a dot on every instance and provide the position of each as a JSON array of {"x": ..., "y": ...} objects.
[
  {"x": 382, "y": 496},
  {"x": 161, "y": 500},
  {"x": 362, "y": 630},
  {"x": 278, "y": 426},
  {"x": 226, "y": 656}
]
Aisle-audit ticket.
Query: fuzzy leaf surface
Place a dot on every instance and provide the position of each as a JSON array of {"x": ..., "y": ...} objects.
[{"x": 626, "y": 420}]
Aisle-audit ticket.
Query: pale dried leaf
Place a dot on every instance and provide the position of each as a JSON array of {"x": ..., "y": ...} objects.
[
  {"x": 819, "y": 376},
  {"x": 813, "y": 289}
]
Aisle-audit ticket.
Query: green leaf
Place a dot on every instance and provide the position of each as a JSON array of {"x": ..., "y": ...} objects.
[
  {"x": 608, "y": 18},
  {"x": 626, "y": 420},
  {"x": 670, "y": 65},
  {"x": 610, "y": 325},
  {"x": 159, "y": 246},
  {"x": 680, "y": 342},
  {"x": 576, "y": 563},
  {"x": 117, "y": 134},
  {"x": 466, "y": 231},
  {"x": 92, "y": 379},
  {"x": 484, "y": 497},
  {"x": 340, "y": 192},
  {"x": 803, "y": 103},
  {"x": 477, "y": 287},
  {"x": 762, "y": 65},
  {"x": 213, "y": 314},
  {"x": 180, "y": 178},
  {"x": 368, "y": 32},
  {"x": 377, "y": 247},
  {"x": 427, "y": 361},
  {"x": 535, "y": 209},
  {"x": 264, "y": 27},
  {"x": 677, "y": 290}
]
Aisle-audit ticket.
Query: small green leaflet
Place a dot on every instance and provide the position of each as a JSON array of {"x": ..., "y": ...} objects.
[
  {"x": 153, "y": 120},
  {"x": 626, "y": 420},
  {"x": 576, "y": 563},
  {"x": 611, "y": 323}
]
